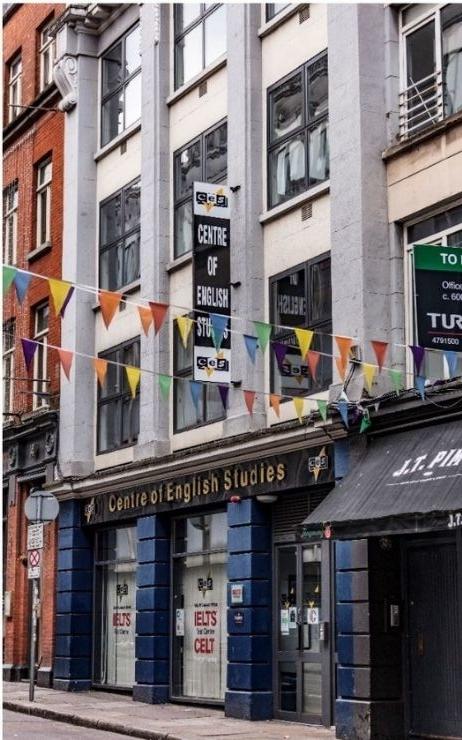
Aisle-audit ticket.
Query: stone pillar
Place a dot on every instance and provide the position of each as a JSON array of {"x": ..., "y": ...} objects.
[
  {"x": 74, "y": 602},
  {"x": 249, "y": 687},
  {"x": 152, "y": 610},
  {"x": 369, "y": 692}
]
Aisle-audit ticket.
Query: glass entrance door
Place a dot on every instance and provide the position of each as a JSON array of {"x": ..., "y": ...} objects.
[{"x": 302, "y": 654}]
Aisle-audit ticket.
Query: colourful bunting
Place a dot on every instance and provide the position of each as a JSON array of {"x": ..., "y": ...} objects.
[
  {"x": 66, "y": 357},
  {"x": 396, "y": 377},
  {"x": 450, "y": 364},
  {"x": 28, "y": 347},
  {"x": 196, "y": 392},
  {"x": 299, "y": 404},
  {"x": 100, "y": 366},
  {"x": 344, "y": 345},
  {"x": 184, "y": 327},
  {"x": 145, "y": 318},
  {"x": 365, "y": 422},
  {"x": 322, "y": 408},
  {"x": 312, "y": 359},
  {"x": 263, "y": 333},
  {"x": 219, "y": 324},
  {"x": 275, "y": 402},
  {"x": 21, "y": 284},
  {"x": 133, "y": 377},
  {"x": 165, "y": 382},
  {"x": 369, "y": 375},
  {"x": 342, "y": 407},
  {"x": 280, "y": 351},
  {"x": 223, "y": 391},
  {"x": 109, "y": 303},
  {"x": 380, "y": 351},
  {"x": 420, "y": 385},
  {"x": 159, "y": 312},
  {"x": 341, "y": 367},
  {"x": 61, "y": 292},
  {"x": 249, "y": 397},
  {"x": 251, "y": 346},
  {"x": 418, "y": 354},
  {"x": 8, "y": 277},
  {"x": 304, "y": 337}
]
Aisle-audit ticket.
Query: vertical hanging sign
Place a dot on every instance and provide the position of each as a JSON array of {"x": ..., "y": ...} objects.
[{"x": 211, "y": 288}]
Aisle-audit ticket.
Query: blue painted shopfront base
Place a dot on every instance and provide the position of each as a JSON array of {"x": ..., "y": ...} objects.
[{"x": 252, "y": 705}]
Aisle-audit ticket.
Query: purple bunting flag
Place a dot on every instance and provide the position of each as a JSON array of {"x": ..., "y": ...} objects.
[
  {"x": 280, "y": 350},
  {"x": 223, "y": 391},
  {"x": 418, "y": 354},
  {"x": 28, "y": 347}
]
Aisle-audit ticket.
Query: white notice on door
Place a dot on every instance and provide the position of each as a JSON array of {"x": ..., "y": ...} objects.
[
  {"x": 312, "y": 616},
  {"x": 179, "y": 622},
  {"x": 284, "y": 621}
]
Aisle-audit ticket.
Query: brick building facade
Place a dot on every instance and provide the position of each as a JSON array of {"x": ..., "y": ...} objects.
[{"x": 32, "y": 236}]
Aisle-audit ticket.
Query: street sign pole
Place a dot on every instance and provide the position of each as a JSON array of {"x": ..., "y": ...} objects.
[{"x": 33, "y": 637}]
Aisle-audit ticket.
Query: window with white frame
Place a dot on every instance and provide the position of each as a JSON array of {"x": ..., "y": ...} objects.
[
  {"x": 431, "y": 65},
  {"x": 121, "y": 86},
  {"x": 10, "y": 223},
  {"x": 443, "y": 228},
  {"x": 15, "y": 87},
  {"x": 47, "y": 55},
  {"x": 9, "y": 328},
  {"x": 118, "y": 413},
  {"x": 44, "y": 174},
  {"x": 119, "y": 253},
  {"x": 40, "y": 384},
  {"x": 200, "y": 38}
]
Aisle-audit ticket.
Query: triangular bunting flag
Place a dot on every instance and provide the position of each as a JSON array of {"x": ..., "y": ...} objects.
[
  {"x": 380, "y": 351},
  {"x": 249, "y": 397},
  {"x": 251, "y": 347},
  {"x": 263, "y": 333},
  {"x": 100, "y": 366},
  {"x": 184, "y": 327},
  {"x": 369, "y": 375},
  {"x": 223, "y": 391},
  {"x": 341, "y": 367},
  {"x": 8, "y": 277},
  {"x": 61, "y": 292},
  {"x": 145, "y": 318},
  {"x": 159, "y": 312},
  {"x": 280, "y": 351},
  {"x": 365, "y": 422},
  {"x": 66, "y": 357},
  {"x": 451, "y": 363},
  {"x": 109, "y": 303},
  {"x": 21, "y": 283},
  {"x": 342, "y": 407},
  {"x": 396, "y": 377},
  {"x": 275, "y": 402},
  {"x": 299, "y": 404},
  {"x": 304, "y": 337},
  {"x": 312, "y": 359},
  {"x": 420, "y": 385},
  {"x": 28, "y": 347},
  {"x": 219, "y": 324},
  {"x": 196, "y": 391},
  {"x": 133, "y": 377},
  {"x": 344, "y": 345},
  {"x": 165, "y": 382},
  {"x": 418, "y": 354},
  {"x": 322, "y": 408}
]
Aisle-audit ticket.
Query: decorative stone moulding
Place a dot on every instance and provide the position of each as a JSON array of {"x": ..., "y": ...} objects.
[{"x": 65, "y": 76}]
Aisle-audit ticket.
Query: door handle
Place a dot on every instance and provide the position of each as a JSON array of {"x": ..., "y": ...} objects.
[
  {"x": 300, "y": 616},
  {"x": 420, "y": 644}
]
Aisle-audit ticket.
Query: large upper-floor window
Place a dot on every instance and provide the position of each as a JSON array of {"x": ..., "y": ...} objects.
[
  {"x": 431, "y": 60},
  {"x": 9, "y": 329},
  {"x": 118, "y": 412},
  {"x": 121, "y": 86},
  {"x": 43, "y": 210},
  {"x": 301, "y": 298},
  {"x": 119, "y": 253},
  {"x": 40, "y": 384},
  {"x": 200, "y": 38},
  {"x": 203, "y": 160},
  {"x": 272, "y": 9},
  {"x": 298, "y": 143},
  {"x": 46, "y": 55},
  {"x": 15, "y": 87},
  {"x": 10, "y": 223}
]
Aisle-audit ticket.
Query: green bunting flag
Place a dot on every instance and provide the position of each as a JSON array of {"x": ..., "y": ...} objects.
[
  {"x": 365, "y": 422},
  {"x": 322, "y": 408},
  {"x": 396, "y": 377},
  {"x": 263, "y": 332},
  {"x": 8, "y": 277},
  {"x": 165, "y": 381}
]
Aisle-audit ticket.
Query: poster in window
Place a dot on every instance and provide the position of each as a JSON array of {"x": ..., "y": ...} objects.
[{"x": 120, "y": 614}]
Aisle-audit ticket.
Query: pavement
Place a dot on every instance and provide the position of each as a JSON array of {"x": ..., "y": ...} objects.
[
  {"x": 118, "y": 713},
  {"x": 28, "y": 727}
]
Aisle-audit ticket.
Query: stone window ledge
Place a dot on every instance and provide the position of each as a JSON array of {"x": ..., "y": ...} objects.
[
  {"x": 39, "y": 251},
  {"x": 312, "y": 194}
]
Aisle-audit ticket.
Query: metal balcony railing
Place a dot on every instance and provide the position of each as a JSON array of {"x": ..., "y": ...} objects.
[{"x": 421, "y": 105}]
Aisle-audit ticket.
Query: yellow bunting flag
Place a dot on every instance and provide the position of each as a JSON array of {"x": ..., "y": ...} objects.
[
  {"x": 369, "y": 375},
  {"x": 100, "y": 366},
  {"x": 344, "y": 345},
  {"x": 145, "y": 318},
  {"x": 341, "y": 366},
  {"x": 184, "y": 327},
  {"x": 60, "y": 291},
  {"x": 66, "y": 357},
  {"x": 133, "y": 377},
  {"x": 275, "y": 402},
  {"x": 109, "y": 303},
  {"x": 299, "y": 404},
  {"x": 304, "y": 337}
]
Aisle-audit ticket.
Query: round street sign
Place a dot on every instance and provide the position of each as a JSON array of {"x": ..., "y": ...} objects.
[
  {"x": 41, "y": 506},
  {"x": 34, "y": 558}
]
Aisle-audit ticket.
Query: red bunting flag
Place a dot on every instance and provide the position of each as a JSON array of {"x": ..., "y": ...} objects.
[
  {"x": 109, "y": 303},
  {"x": 100, "y": 366},
  {"x": 145, "y": 318},
  {"x": 312, "y": 359},
  {"x": 159, "y": 312},
  {"x": 275, "y": 402},
  {"x": 344, "y": 345},
  {"x": 249, "y": 397},
  {"x": 380, "y": 350},
  {"x": 66, "y": 357}
]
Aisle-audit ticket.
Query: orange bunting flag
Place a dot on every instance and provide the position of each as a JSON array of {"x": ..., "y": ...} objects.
[
  {"x": 304, "y": 337},
  {"x": 100, "y": 366},
  {"x": 369, "y": 374},
  {"x": 184, "y": 327},
  {"x": 249, "y": 397},
  {"x": 344, "y": 345},
  {"x": 275, "y": 402},
  {"x": 341, "y": 367},
  {"x": 299, "y": 404},
  {"x": 145, "y": 318},
  {"x": 66, "y": 357},
  {"x": 159, "y": 312},
  {"x": 312, "y": 359},
  {"x": 109, "y": 303},
  {"x": 133, "y": 377},
  {"x": 380, "y": 350},
  {"x": 60, "y": 291}
]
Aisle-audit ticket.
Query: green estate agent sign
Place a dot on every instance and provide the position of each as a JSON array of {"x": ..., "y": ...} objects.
[{"x": 438, "y": 288}]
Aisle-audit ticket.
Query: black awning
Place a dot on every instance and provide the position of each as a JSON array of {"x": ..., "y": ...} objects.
[{"x": 406, "y": 482}]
